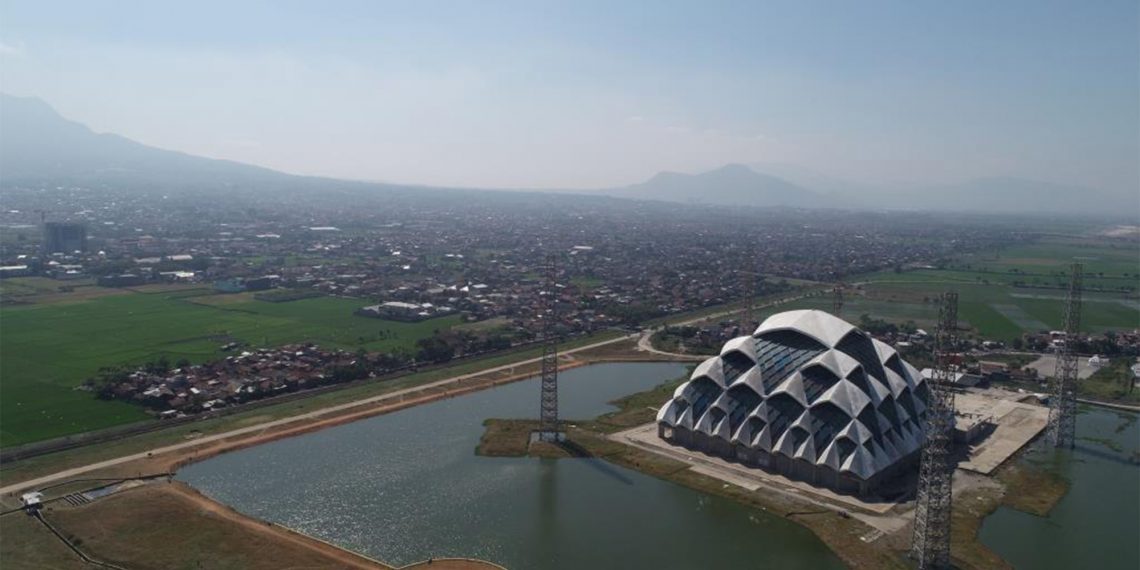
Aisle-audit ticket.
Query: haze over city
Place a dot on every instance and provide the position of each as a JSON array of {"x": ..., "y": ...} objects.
[
  {"x": 891, "y": 95},
  {"x": 566, "y": 285}
]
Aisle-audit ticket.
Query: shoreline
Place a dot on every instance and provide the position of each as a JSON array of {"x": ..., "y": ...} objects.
[
  {"x": 370, "y": 411},
  {"x": 341, "y": 413},
  {"x": 192, "y": 451},
  {"x": 170, "y": 459},
  {"x": 350, "y": 558},
  {"x": 1110, "y": 405},
  {"x": 379, "y": 409},
  {"x": 879, "y": 538}
]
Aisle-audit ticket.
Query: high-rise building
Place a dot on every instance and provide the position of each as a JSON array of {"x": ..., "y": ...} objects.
[{"x": 63, "y": 237}]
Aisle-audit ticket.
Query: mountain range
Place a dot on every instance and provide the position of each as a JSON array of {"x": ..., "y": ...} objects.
[{"x": 38, "y": 146}]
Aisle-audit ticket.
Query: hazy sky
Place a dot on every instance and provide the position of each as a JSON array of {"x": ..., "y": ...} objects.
[{"x": 590, "y": 94}]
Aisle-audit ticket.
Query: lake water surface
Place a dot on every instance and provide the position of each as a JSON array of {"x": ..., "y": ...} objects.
[
  {"x": 405, "y": 486},
  {"x": 1097, "y": 523}
]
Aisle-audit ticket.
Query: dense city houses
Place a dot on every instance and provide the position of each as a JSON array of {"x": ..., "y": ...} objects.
[
  {"x": 419, "y": 255},
  {"x": 242, "y": 377},
  {"x": 620, "y": 262}
]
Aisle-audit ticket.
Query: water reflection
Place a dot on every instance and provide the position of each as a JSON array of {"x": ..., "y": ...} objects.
[
  {"x": 405, "y": 486},
  {"x": 1096, "y": 523}
]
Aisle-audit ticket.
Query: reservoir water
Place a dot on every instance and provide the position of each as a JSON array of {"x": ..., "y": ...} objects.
[
  {"x": 1097, "y": 523},
  {"x": 406, "y": 486}
]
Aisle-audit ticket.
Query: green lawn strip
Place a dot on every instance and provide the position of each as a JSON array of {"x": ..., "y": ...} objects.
[{"x": 1112, "y": 383}]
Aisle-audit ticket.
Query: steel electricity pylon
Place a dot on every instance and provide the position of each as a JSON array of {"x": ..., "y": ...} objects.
[
  {"x": 748, "y": 289},
  {"x": 1063, "y": 397},
  {"x": 548, "y": 426},
  {"x": 837, "y": 300},
  {"x": 930, "y": 545}
]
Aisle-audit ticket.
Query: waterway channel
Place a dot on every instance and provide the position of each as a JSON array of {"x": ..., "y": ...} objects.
[
  {"x": 405, "y": 486},
  {"x": 1097, "y": 523}
]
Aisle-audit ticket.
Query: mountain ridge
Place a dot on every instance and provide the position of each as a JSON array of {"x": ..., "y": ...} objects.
[
  {"x": 730, "y": 185},
  {"x": 40, "y": 146}
]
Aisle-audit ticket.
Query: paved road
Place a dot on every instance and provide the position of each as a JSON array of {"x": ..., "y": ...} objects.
[
  {"x": 76, "y": 471},
  {"x": 645, "y": 344},
  {"x": 645, "y": 341}
]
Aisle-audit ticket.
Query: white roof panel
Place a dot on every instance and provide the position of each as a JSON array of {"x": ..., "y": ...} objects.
[
  {"x": 824, "y": 327},
  {"x": 870, "y": 456}
]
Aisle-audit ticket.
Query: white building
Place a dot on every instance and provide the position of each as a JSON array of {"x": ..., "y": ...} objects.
[
  {"x": 32, "y": 500},
  {"x": 807, "y": 395}
]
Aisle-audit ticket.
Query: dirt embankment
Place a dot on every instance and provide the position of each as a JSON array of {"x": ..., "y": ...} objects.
[{"x": 167, "y": 525}]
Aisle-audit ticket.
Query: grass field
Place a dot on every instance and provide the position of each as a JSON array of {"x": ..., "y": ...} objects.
[
  {"x": 155, "y": 527},
  {"x": 1112, "y": 383},
  {"x": 1110, "y": 265},
  {"x": 43, "y": 290},
  {"x": 995, "y": 308},
  {"x": 50, "y": 349},
  {"x": 995, "y": 312},
  {"x": 1051, "y": 255},
  {"x": 28, "y": 286},
  {"x": 25, "y": 544}
]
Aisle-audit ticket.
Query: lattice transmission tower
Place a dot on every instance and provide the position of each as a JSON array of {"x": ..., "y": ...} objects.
[
  {"x": 837, "y": 300},
  {"x": 748, "y": 289},
  {"x": 1063, "y": 398},
  {"x": 548, "y": 426},
  {"x": 930, "y": 546}
]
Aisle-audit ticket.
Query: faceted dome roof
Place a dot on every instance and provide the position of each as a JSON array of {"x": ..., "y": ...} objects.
[{"x": 809, "y": 386}]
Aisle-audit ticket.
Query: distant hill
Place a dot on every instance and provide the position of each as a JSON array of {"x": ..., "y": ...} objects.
[
  {"x": 732, "y": 185},
  {"x": 39, "y": 145}
]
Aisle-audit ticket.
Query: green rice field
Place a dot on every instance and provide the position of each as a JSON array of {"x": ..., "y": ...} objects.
[
  {"x": 991, "y": 311},
  {"x": 49, "y": 349},
  {"x": 992, "y": 304}
]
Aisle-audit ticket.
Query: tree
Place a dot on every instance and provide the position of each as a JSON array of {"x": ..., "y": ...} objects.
[
  {"x": 434, "y": 349},
  {"x": 161, "y": 365},
  {"x": 876, "y": 326}
]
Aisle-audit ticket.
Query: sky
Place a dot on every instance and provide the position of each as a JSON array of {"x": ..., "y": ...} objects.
[{"x": 551, "y": 94}]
